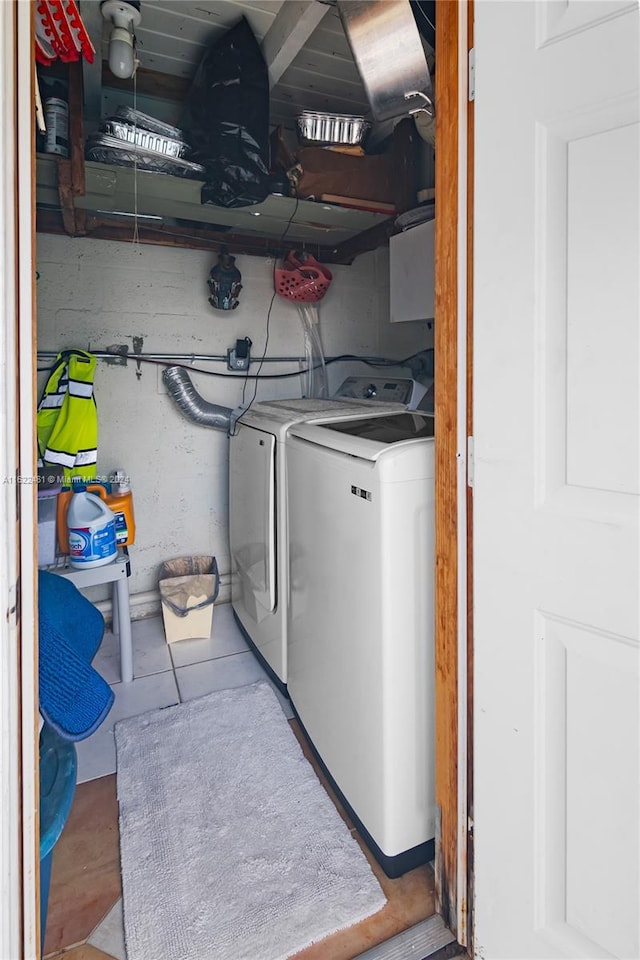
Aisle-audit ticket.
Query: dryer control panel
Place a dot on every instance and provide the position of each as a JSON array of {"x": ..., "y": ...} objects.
[{"x": 387, "y": 390}]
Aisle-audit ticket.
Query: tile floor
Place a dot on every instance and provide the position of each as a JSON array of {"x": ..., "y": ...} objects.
[
  {"x": 85, "y": 907},
  {"x": 165, "y": 674}
]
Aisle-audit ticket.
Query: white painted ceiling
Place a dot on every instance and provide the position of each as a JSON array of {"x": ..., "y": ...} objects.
[{"x": 173, "y": 35}]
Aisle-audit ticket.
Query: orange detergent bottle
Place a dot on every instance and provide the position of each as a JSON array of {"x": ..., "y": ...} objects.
[{"x": 118, "y": 498}]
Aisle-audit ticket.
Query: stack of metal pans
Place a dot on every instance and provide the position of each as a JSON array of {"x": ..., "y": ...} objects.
[{"x": 132, "y": 138}]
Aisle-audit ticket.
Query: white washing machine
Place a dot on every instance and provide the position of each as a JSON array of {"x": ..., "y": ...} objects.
[
  {"x": 257, "y": 504},
  {"x": 361, "y": 620}
]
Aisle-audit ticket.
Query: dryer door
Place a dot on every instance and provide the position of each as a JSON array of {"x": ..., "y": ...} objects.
[{"x": 252, "y": 520}]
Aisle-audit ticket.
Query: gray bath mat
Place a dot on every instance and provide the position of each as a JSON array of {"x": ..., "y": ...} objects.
[{"x": 230, "y": 847}]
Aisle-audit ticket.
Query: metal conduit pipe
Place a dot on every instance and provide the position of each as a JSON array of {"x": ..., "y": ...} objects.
[
  {"x": 191, "y": 404},
  {"x": 208, "y": 357}
]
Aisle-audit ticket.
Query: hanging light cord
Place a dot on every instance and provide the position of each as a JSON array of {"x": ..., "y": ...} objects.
[{"x": 136, "y": 237}]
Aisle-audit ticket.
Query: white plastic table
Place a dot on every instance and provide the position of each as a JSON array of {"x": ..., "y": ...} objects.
[{"x": 116, "y": 573}]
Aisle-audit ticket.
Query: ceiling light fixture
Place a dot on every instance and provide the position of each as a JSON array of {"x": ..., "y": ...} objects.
[{"x": 125, "y": 16}]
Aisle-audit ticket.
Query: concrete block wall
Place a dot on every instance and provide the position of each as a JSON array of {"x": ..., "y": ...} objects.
[{"x": 94, "y": 293}]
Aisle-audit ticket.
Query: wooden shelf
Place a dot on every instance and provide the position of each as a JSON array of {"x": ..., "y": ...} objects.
[{"x": 109, "y": 191}]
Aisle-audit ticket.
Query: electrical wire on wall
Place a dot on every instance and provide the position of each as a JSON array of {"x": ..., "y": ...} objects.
[{"x": 256, "y": 376}]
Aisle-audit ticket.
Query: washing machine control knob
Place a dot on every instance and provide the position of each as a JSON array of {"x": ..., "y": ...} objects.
[{"x": 371, "y": 391}]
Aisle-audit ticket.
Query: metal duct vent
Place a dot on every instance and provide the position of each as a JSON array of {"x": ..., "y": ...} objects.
[
  {"x": 191, "y": 404},
  {"x": 387, "y": 48}
]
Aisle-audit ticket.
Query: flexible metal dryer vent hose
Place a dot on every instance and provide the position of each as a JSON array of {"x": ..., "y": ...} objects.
[{"x": 188, "y": 400}]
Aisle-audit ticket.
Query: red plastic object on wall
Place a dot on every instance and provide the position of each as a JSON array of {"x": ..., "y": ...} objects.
[{"x": 302, "y": 278}]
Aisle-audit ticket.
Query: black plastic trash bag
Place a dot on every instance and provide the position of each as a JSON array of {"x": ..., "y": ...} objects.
[{"x": 227, "y": 119}]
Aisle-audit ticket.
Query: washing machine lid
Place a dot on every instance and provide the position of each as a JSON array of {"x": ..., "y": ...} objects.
[
  {"x": 277, "y": 416},
  {"x": 392, "y": 428},
  {"x": 369, "y": 437}
]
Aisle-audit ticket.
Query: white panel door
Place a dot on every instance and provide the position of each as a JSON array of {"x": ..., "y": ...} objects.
[{"x": 556, "y": 489}]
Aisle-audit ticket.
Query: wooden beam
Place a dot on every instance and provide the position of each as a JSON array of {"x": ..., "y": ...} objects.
[
  {"x": 73, "y": 220},
  {"x": 150, "y": 83},
  {"x": 446, "y": 480},
  {"x": 71, "y": 172},
  {"x": 295, "y": 22},
  {"x": 76, "y": 130}
]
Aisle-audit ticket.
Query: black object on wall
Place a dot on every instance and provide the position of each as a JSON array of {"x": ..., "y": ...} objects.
[
  {"x": 227, "y": 119},
  {"x": 225, "y": 283}
]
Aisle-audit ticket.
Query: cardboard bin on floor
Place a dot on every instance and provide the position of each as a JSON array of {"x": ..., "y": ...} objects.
[{"x": 188, "y": 589}]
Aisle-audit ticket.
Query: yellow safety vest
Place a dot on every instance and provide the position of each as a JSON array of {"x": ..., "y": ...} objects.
[{"x": 67, "y": 420}]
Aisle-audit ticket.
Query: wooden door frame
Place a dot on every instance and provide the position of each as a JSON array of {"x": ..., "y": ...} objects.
[{"x": 453, "y": 574}]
